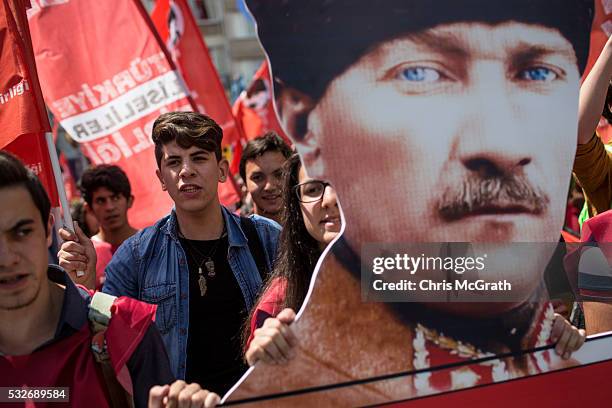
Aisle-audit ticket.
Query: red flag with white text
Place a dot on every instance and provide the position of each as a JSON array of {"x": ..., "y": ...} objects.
[
  {"x": 33, "y": 151},
  {"x": 106, "y": 78},
  {"x": 254, "y": 109},
  {"x": 21, "y": 108},
  {"x": 177, "y": 27},
  {"x": 23, "y": 118}
]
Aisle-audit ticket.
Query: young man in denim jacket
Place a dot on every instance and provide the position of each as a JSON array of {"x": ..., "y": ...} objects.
[{"x": 196, "y": 263}]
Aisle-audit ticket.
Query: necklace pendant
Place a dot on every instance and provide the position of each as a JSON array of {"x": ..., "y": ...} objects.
[
  {"x": 202, "y": 284},
  {"x": 210, "y": 267}
]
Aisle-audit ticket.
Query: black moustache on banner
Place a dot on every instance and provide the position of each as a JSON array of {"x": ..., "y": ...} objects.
[{"x": 478, "y": 195}]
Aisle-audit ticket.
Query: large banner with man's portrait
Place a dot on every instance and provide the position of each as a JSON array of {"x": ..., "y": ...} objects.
[{"x": 448, "y": 131}]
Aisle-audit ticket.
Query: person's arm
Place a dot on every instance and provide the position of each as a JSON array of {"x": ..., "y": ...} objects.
[
  {"x": 593, "y": 94},
  {"x": 149, "y": 366},
  {"x": 597, "y": 317}
]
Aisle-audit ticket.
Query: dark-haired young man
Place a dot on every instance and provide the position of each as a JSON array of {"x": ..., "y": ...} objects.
[
  {"x": 261, "y": 167},
  {"x": 107, "y": 192},
  {"x": 45, "y": 336},
  {"x": 201, "y": 264}
]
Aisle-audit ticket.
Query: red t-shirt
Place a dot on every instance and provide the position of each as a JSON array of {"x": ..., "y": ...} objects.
[
  {"x": 104, "y": 253},
  {"x": 269, "y": 306}
]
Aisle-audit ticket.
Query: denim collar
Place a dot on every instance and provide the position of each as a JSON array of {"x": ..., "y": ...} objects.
[{"x": 235, "y": 236}]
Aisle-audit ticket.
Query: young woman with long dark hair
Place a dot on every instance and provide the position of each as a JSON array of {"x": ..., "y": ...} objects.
[{"x": 311, "y": 219}]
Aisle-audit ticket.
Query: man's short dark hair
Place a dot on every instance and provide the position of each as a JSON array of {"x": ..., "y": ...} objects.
[
  {"x": 269, "y": 142},
  {"x": 187, "y": 129},
  {"x": 309, "y": 43},
  {"x": 13, "y": 173},
  {"x": 107, "y": 176}
]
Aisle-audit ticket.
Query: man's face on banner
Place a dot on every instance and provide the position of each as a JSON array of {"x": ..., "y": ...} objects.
[{"x": 462, "y": 132}]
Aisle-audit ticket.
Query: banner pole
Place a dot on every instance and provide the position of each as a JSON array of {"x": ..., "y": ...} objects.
[
  {"x": 57, "y": 175},
  {"x": 61, "y": 192}
]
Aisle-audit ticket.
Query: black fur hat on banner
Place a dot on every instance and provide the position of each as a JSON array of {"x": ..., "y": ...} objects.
[{"x": 310, "y": 42}]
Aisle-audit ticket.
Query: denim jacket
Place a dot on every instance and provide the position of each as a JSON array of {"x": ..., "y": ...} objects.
[{"x": 151, "y": 266}]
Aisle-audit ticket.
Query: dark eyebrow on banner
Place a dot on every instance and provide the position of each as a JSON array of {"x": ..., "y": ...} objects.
[
  {"x": 442, "y": 43},
  {"x": 525, "y": 53}
]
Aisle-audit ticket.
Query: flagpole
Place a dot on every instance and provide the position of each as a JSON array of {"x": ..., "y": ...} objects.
[
  {"x": 59, "y": 186},
  {"x": 57, "y": 176}
]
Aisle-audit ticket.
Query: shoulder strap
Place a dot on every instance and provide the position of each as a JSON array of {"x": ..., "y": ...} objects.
[
  {"x": 99, "y": 318},
  {"x": 255, "y": 246}
]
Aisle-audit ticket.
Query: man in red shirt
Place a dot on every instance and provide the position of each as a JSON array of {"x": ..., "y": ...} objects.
[
  {"x": 107, "y": 192},
  {"x": 46, "y": 337}
]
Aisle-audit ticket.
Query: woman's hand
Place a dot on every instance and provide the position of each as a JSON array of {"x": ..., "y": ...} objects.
[
  {"x": 568, "y": 338},
  {"x": 274, "y": 342}
]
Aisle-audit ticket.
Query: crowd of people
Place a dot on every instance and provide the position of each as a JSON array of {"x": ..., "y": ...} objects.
[{"x": 226, "y": 285}]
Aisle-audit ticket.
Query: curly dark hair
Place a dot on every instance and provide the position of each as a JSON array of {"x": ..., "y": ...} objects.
[
  {"x": 298, "y": 251},
  {"x": 108, "y": 176}
]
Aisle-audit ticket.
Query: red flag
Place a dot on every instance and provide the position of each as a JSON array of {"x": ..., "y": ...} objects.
[
  {"x": 107, "y": 85},
  {"x": 33, "y": 151},
  {"x": 178, "y": 29},
  {"x": 600, "y": 31},
  {"x": 23, "y": 117},
  {"x": 254, "y": 109},
  {"x": 21, "y": 108}
]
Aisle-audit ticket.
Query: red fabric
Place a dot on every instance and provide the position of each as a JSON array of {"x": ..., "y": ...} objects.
[
  {"x": 33, "y": 151},
  {"x": 567, "y": 237},
  {"x": 107, "y": 86},
  {"x": 130, "y": 321},
  {"x": 269, "y": 305},
  {"x": 598, "y": 228},
  {"x": 254, "y": 108},
  {"x": 190, "y": 54},
  {"x": 586, "y": 386},
  {"x": 104, "y": 254},
  {"x": 70, "y": 361},
  {"x": 70, "y": 185},
  {"x": 571, "y": 217},
  {"x": 598, "y": 35},
  {"x": 22, "y": 110},
  {"x": 67, "y": 363}
]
